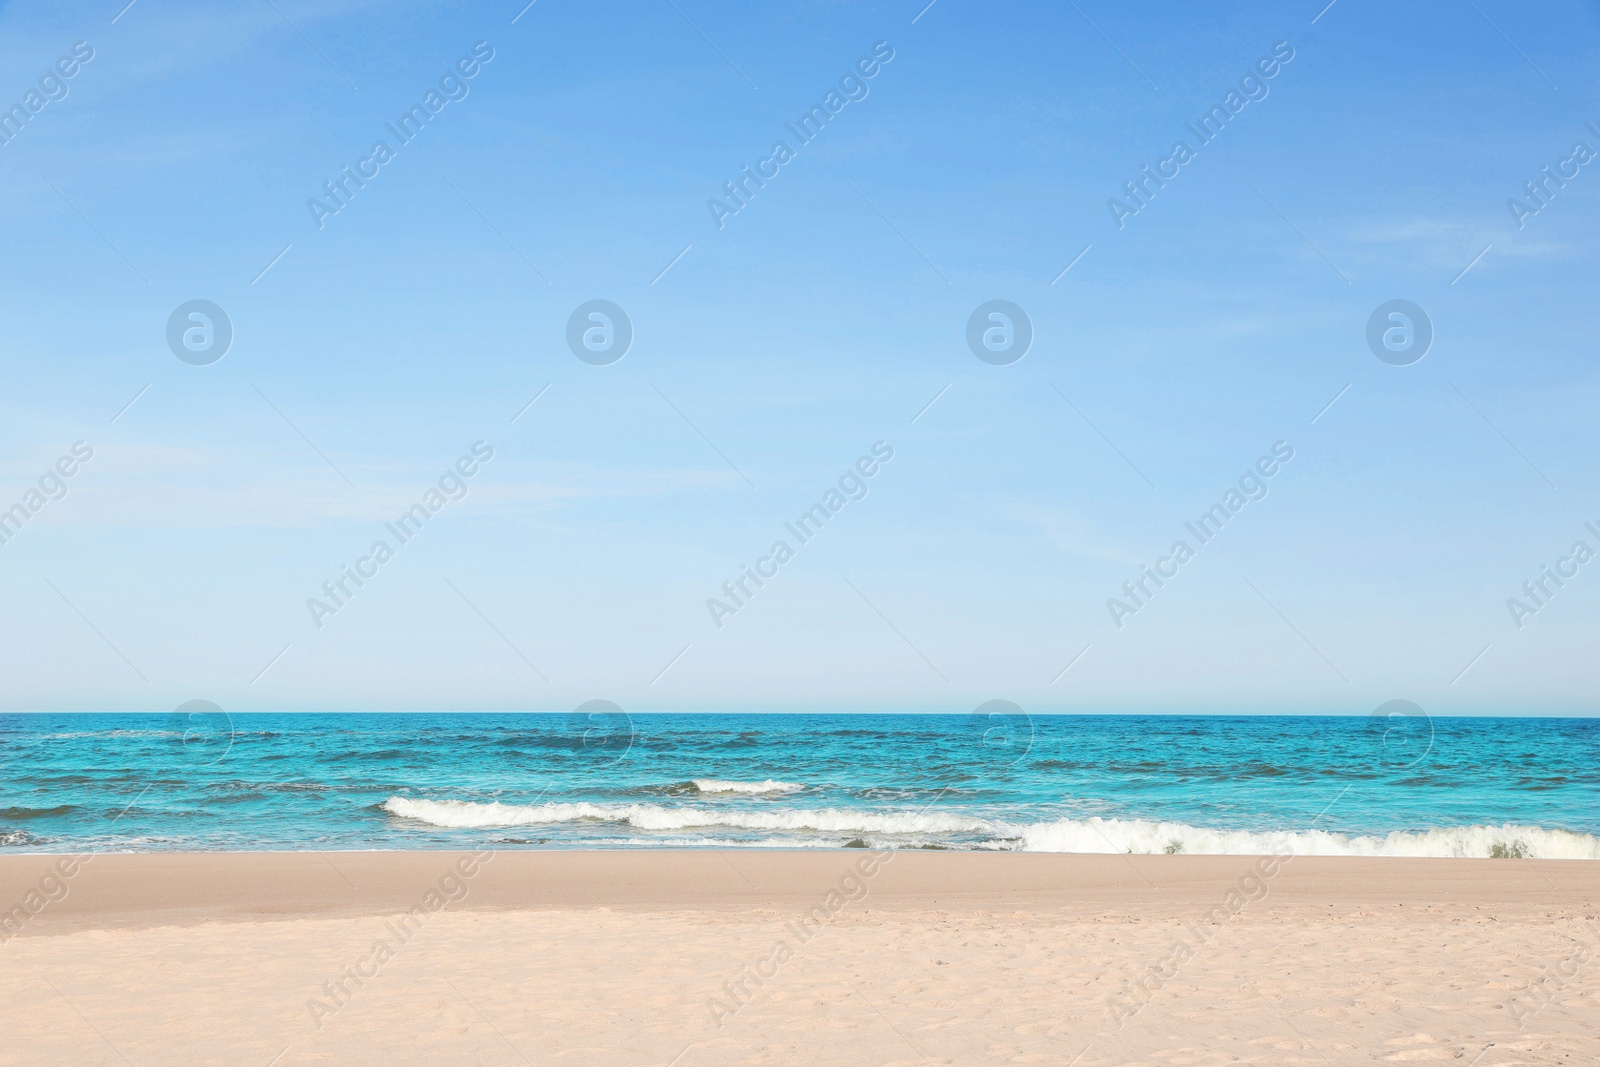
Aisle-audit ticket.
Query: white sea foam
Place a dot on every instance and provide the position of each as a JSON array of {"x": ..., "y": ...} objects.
[
  {"x": 457, "y": 813},
  {"x": 1138, "y": 836},
  {"x": 1063, "y": 835},
  {"x": 718, "y": 785}
]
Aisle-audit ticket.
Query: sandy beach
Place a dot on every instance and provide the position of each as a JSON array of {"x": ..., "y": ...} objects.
[{"x": 837, "y": 957}]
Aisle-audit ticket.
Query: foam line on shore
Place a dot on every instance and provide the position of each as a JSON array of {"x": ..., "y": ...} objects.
[{"x": 1094, "y": 835}]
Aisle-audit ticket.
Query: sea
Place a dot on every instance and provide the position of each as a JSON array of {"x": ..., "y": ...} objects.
[{"x": 1392, "y": 784}]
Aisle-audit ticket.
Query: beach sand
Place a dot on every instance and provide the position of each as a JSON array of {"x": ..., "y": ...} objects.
[{"x": 837, "y": 957}]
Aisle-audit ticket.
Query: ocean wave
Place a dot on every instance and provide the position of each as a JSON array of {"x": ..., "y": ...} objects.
[
  {"x": 718, "y": 785},
  {"x": 926, "y": 828},
  {"x": 237, "y": 786},
  {"x": 463, "y": 814},
  {"x": 36, "y": 813},
  {"x": 1454, "y": 842}
]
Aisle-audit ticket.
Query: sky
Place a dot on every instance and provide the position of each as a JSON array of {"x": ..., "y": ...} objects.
[{"x": 784, "y": 341}]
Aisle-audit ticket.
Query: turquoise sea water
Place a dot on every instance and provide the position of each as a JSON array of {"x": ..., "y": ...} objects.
[{"x": 1401, "y": 784}]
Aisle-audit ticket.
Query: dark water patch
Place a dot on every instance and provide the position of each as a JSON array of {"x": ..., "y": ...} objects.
[
  {"x": 1262, "y": 770},
  {"x": 673, "y": 789},
  {"x": 17, "y": 814}
]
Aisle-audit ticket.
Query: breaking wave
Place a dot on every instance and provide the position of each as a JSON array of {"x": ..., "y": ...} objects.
[
  {"x": 1453, "y": 842},
  {"x": 925, "y": 828},
  {"x": 718, "y": 785},
  {"x": 460, "y": 814}
]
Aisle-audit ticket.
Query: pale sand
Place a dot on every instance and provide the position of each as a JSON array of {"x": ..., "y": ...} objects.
[{"x": 949, "y": 958}]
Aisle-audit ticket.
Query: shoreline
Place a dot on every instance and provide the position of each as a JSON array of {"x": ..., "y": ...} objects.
[{"x": 76, "y": 891}]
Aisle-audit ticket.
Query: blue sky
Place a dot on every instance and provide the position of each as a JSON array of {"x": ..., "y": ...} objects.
[{"x": 770, "y": 355}]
